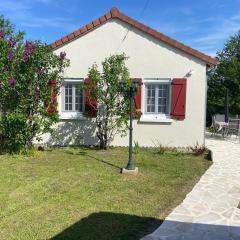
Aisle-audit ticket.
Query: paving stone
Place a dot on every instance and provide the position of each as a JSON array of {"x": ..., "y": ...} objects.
[
  {"x": 209, "y": 211},
  {"x": 182, "y": 210},
  {"x": 228, "y": 213},
  {"x": 210, "y": 217},
  {"x": 179, "y": 218},
  {"x": 200, "y": 207}
]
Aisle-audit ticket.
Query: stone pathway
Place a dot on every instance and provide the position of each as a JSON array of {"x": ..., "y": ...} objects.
[{"x": 209, "y": 211}]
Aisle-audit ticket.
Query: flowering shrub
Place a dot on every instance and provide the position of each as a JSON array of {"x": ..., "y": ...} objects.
[{"x": 30, "y": 79}]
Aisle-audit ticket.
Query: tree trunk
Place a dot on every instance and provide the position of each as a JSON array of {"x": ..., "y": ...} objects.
[{"x": 103, "y": 145}]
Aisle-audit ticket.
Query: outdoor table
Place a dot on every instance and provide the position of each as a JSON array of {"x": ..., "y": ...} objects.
[{"x": 221, "y": 125}]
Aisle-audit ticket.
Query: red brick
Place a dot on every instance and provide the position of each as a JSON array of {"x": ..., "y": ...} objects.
[
  {"x": 53, "y": 45},
  {"x": 65, "y": 39},
  {"x": 71, "y": 36},
  {"x": 83, "y": 29},
  {"x": 123, "y": 18},
  {"x": 96, "y": 23},
  {"x": 114, "y": 12},
  {"x": 102, "y": 19},
  {"x": 77, "y": 33},
  {"x": 89, "y": 26},
  {"x": 59, "y": 42},
  {"x": 108, "y": 15}
]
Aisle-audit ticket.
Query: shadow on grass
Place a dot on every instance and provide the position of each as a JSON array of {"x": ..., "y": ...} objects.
[
  {"x": 104, "y": 162},
  {"x": 83, "y": 153},
  {"x": 116, "y": 226},
  {"x": 108, "y": 225}
]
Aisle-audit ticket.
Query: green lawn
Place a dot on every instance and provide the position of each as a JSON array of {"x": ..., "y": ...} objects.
[{"x": 78, "y": 193}]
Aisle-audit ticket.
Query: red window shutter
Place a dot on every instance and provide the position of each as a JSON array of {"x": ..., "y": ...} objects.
[
  {"x": 178, "y": 108},
  {"x": 137, "y": 99},
  {"x": 51, "y": 107},
  {"x": 54, "y": 96},
  {"x": 52, "y": 83},
  {"x": 90, "y": 104}
]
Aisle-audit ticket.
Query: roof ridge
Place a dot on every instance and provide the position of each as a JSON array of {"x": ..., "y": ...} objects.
[{"x": 115, "y": 13}]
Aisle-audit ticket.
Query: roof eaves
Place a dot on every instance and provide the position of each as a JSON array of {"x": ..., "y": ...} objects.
[{"x": 115, "y": 13}]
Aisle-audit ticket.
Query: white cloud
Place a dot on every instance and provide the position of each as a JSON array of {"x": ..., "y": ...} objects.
[
  {"x": 22, "y": 13},
  {"x": 57, "y": 22},
  {"x": 222, "y": 31},
  {"x": 12, "y": 6}
]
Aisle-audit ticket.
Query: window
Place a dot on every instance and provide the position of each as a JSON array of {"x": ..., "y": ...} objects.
[
  {"x": 72, "y": 97},
  {"x": 157, "y": 98}
]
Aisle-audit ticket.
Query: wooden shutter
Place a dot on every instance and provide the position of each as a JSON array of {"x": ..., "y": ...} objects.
[
  {"x": 178, "y": 106},
  {"x": 90, "y": 104},
  {"x": 52, "y": 106},
  {"x": 137, "y": 99},
  {"x": 52, "y": 83}
]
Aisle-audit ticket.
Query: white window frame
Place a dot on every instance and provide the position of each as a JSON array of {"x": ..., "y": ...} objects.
[
  {"x": 155, "y": 117},
  {"x": 66, "y": 114}
]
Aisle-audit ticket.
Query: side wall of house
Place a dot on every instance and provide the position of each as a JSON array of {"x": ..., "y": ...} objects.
[{"x": 148, "y": 58}]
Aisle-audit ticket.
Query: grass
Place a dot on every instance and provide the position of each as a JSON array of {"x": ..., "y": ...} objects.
[{"x": 78, "y": 193}]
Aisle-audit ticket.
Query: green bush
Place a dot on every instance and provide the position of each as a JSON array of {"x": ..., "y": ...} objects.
[
  {"x": 30, "y": 78},
  {"x": 15, "y": 131}
]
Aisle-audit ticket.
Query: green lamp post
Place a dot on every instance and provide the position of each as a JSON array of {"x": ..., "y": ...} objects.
[{"x": 131, "y": 93}]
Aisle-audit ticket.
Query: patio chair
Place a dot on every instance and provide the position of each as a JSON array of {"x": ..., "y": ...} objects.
[
  {"x": 218, "y": 125},
  {"x": 214, "y": 126},
  {"x": 220, "y": 118},
  {"x": 234, "y": 127}
]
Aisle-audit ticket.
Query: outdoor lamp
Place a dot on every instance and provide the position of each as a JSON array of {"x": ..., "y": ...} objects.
[
  {"x": 121, "y": 86},
  {"x": 129, "y": 91}
]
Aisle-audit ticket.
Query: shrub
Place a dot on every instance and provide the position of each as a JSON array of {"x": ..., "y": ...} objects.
[
  {"x": 160, "y": 148},
  {"x": 198, "y": 150},
  {"x": 15, "y": 131},
  {"x": 30, "y": 78},
  {"x": 112, "y": 109}
]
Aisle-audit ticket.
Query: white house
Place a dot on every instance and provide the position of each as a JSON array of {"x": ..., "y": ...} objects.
[{"x": 172, "y": 97}]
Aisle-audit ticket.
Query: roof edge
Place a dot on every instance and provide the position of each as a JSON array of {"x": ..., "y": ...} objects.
[{"x": 115, "y": 13}]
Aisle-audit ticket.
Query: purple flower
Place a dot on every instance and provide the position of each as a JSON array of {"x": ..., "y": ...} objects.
[
  {"x": 10, "y": 56},
  {"x": 11, "y": 82},
  {"x": 62, "y": 55},
  {"x": 29, "y": 47},
  {"x": 12, "y": 42},
  {"x": 2, "y": 34}
]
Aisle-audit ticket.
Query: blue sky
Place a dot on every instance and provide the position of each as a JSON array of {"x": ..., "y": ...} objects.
[{"x": 204, "y": 25}]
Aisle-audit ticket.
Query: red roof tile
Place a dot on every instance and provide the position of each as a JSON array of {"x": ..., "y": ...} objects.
[{"x": 115, "y": 13}]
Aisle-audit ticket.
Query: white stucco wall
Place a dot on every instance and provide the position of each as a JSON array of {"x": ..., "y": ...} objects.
[{"x": 148, "y": 58}]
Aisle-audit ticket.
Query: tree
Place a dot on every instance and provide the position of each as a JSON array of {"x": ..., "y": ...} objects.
[
  {"x": 225, "y": 75},
  {"x": 112, "y": 107},
  {"x": 30, "y": 79}
]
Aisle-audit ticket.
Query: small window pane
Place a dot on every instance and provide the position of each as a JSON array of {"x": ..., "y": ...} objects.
[
  {"x": 68, "y": 97},
  {"x": 163, "y": 98},
  {"x": 151, "y": 98},
  {"x": 78, "y": 98}
]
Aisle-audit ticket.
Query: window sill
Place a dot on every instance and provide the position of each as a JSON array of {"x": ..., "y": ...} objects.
[
  {"x": 156, "y": 120},
  {"x": 71, "y": 116}
]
